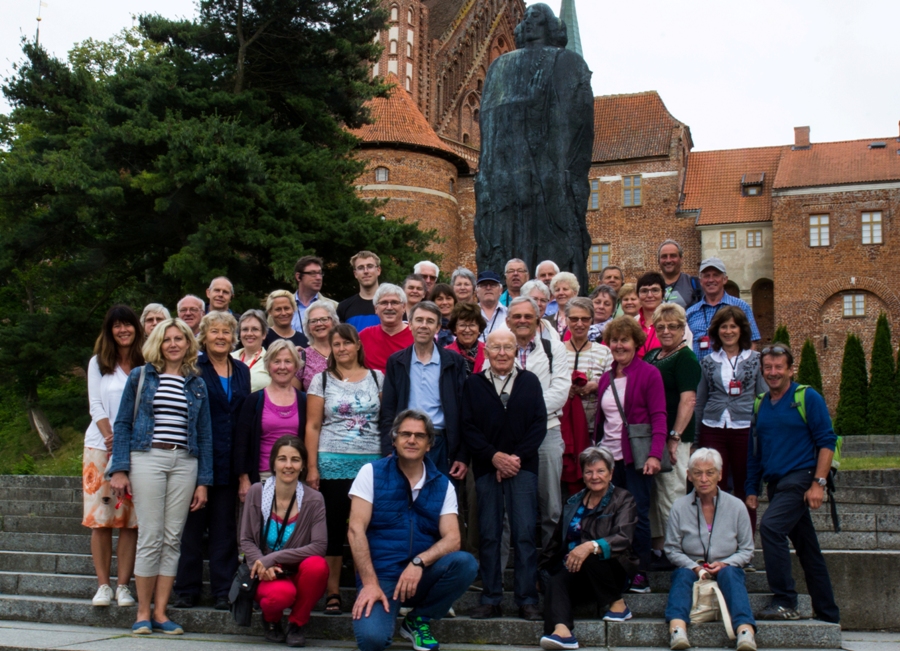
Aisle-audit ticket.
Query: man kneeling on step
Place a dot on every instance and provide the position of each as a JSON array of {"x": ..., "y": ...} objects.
[{"x": 404, "y": 535}]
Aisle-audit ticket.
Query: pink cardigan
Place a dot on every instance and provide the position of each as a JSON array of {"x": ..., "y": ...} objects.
[{"x": 645, "y": 402}]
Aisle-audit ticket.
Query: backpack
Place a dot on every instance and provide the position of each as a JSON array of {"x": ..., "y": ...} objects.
[
  {"x": 697, "y": 290},
  {"x": 548, "y": 351},
  {"x": 800, "y": 403}
]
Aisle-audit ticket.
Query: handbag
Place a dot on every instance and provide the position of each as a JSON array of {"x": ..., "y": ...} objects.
[
  {"x": 137, "y": 404},
  {"x": 241, "y": 594},
  {"x": 709, "y": 604},
  {"x": 640, "y": 437}
]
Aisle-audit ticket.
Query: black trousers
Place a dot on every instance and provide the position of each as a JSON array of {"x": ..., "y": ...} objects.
[
  {"x": 599, "y": 581},
  {"x": 218, "y": 518},
  {"x": 788, "y": 517}
]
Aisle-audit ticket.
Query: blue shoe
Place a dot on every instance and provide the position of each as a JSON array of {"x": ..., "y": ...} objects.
[
  {"x": 168, "y": 627},
  {"x": 558, "y": 642},
  {"x": 612, "y": 616},
  {"x": 143, "y": 627}
]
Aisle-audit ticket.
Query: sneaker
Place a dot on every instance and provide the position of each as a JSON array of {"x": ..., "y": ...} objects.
[
  {"x": 557, "y": 642},
  {"x": 123, "y": 596},
  {"x": 746, "y": 640},
  {"x": 103, "y": 596},
  {"x": 295, "y": 636},
  {"x": 749, "y": 568},
  {"x": 451, "y": 612},
  {"x": 273, "y": 631},
  {"x": 612, "y": 616},
  {"x": 678, "y": 639},
  {"x": 640, "y": 584},
  {"x": 404, "y": 611},
  {"x": 774, "y": 612},
  {"x": 418, "y": 631}
]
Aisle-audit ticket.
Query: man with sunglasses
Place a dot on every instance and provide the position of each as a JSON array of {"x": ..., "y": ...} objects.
[
  {"x": 504, "y": 422},
  {"x": 792, "y": 452}
]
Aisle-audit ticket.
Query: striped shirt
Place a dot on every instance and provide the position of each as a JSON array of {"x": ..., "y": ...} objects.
[{"x": 170, "y": 411}]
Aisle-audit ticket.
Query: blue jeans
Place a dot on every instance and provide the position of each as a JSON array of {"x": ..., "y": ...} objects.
[
  {"x": 518, "y": 497},
  {"x": 441, "y": 585},
  {"x": 639, "y": 485},
  {"x": 438, "y": 454},
  {"x": 731, "y": 582}
]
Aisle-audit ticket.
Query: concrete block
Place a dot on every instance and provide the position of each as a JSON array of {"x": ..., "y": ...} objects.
[
  {"x": 47, "y": 542},
  {"x": 42, "y": 494},
  {"x": 40, "y": 524},
  {"x": 888, "y": 522},
  {"x": 888, "y": 540},
  {"x": 785, "y": 635},
  {"x": 43, "y": 509},
  {"x": 39, "y": 481},
  {"x": 28, "y": 562},
  {"x": 848, "y": 540},
  {"x": 850, "y": 521}
]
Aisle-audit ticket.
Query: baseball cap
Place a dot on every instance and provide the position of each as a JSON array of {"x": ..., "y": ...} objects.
[
  {"x": 489, "y": 277},
  {"x": 715, "y": 263}
]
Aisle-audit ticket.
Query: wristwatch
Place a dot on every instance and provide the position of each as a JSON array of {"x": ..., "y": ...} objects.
[
  {"x": 821, "y": 481},
  {"x": 418, "y": 562},
  {"x": 596, "y": 547},
  {"x": 675, "y": 435}
]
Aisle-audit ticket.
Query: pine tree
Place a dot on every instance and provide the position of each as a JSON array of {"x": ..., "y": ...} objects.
[
  {"x": 882, "y": 403},
  {"x": 808, "y": 372},
  {"x": 851, "y": 411},
  {"x": 782, "y": 335}
]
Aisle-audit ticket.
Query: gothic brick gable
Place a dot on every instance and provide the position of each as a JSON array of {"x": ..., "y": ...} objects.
[{"x": 632, "y": 126}]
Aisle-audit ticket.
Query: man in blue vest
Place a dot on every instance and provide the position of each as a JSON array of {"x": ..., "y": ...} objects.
[
  {"x": 405, "y": 538},
  {"x": 792, "y": 452}
]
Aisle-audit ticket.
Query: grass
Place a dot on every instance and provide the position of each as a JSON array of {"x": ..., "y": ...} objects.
[{"x": 869, "y": 463}]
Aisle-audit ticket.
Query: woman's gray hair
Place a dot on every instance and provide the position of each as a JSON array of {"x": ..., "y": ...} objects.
[
  {"x": 413, "y": 414},
  {"x": 582, "y": 303},
  {"x": 320, "y": 305},
  {"x": 155, "y": 308},
  {"x": 465, "y": 273},
  {"x": 387, "y": 289},
  {"x": 565, "y": 277},
  {"x": 590, "y": 456},
  {"x": 669, "y": 312},
  {"x": 604, "y": 289},
  {"x": 706, "y": 455},
  {"x": 213, "y": 318},
  {"x": 260, "y": 316},
  {"x": 531, "y": 285},
  {"x": 279, "y": 345}
]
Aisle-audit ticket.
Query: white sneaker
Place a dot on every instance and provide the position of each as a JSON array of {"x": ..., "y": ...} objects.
[
  {"x": 678, "y": 639},
  {"x": 451, "y": 613},
  {"x": 123, "y": 596},
  {"x": 746, "y": 640},
  {"x": 103, "y": 597}
]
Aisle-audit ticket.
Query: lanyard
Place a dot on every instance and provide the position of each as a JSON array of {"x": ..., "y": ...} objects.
[
  {"x": 255, "y": 358},
  {"x": 490, "y": 328},
  {"x": 733, "y": 366},
  {"x": 503, "y": 388},
  {"x": 578, "y": 351},
  {"x": 708, "y": 546},
  {"x": 708, "y": 320},
  {"x": 284, "y": 521}
]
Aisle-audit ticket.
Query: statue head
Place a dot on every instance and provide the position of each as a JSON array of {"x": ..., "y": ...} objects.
[{"x": 540, "y": 26}]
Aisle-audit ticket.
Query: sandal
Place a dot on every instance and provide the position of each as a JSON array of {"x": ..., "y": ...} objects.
[{"x": 333, "y": 604}]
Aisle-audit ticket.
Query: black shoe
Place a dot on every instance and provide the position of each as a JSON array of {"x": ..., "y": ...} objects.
[
  {"x": 222, "y": 603},
  {"x": 486, "y": 611},
  {"x": 530, "y": 613},
  {"x": 185, "y": 601},
  {"x": 661, "y": 563},
  {"x": 295, "y": 636},
  {"x": 778, "y": 613},
  {"x": 274, "y": 633}
]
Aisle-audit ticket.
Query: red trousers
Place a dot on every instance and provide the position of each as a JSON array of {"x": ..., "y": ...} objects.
[
  {"x": 732, "y": 445},
  {"x": 299, "y": 592}
]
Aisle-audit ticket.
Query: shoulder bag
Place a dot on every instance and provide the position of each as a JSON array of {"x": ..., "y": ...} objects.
[
  {"x": 640, "y": 437},
  {"x": 709, "y": 604}
]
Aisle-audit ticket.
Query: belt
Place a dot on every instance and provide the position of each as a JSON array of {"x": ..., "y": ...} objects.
[
  {"x": 439, "y": 432},
  {"x": 167, "y": 446}
]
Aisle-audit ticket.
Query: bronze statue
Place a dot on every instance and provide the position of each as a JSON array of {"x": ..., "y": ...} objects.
[{"x": 537, "y": 132}]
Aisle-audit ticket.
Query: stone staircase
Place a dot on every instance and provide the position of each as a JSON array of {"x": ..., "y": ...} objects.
[{"x": 46, "y": 575}]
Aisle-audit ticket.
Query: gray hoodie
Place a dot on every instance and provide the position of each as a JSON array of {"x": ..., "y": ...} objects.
[{"x": 731, "y": 541}]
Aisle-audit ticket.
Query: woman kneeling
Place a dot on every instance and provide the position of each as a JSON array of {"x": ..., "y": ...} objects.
[
  {"x": 283, "y": 537},
  {"x": 590, "y": 557},
  {"x": 709, "y": 536}
]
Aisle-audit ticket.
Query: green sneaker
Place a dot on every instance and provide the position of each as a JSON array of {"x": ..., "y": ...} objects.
[{"x": 418, "y": 631}]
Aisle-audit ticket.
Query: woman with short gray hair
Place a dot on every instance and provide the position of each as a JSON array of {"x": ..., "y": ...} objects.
[
  {"x": 253, "y": 329},
  {"x": 541, "y": 295},
  {"x": 318, "y": 320},
  {"x": 604, "y": 299},
  {"x": 463, "y": 283},
  {"x": 564, "y": 287},
  {"x": 153, "y": 314}
]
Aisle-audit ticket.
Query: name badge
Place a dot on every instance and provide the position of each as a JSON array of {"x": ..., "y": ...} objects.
[
  {"x": 704, "y": 343},
  {"x": 734, "y": 388}
]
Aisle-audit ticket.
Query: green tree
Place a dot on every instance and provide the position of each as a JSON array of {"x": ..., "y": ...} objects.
[
  {"x": 851, "y": 410},
  {"x": 782, "y": 335},
  {"x": 139, "y": 171},
  {"x": 882, "y": 399},
  {"x": 808, "y": 371}
]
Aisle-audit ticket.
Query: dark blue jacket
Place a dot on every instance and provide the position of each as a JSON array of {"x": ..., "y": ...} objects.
[
  {"x": 395, "y": 398},
  {"x": 223, "y": 413},
  {"x": 400, "y": 528}
]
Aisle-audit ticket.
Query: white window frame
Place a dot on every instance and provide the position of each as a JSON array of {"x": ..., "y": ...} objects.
[
  {"x": 728, "y": 239},
  {"x": 594, "y": 202},
  {"x": 854, "y": 306},
  {"x": 382, "y": 174},
  {"x": 819, "y": 230},
  {"x": 754, "y": 239},
  {"x": 872, "y": 227}
]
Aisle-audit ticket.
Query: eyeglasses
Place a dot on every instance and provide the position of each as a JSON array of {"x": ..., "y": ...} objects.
[
  {"x": 428, "y": 276},
  {"x": 189, "y": 310},
  {"x": 314, "y": 273},
  {"x": 666, "y": 327},
  {"x": 509, "y": 348},
  {"x": 580, "y": 319},
  {"x": 419, "y": 436},
  {"x": 777, "y": 350},
  {"x": 460, "y": 325},
  {"x": 646, "y": 291},
  {"x": 366, "y": 267},
  {"x": 324, "y": 319},
  {"x": 390, "y": 303},
  {"x": 516, "y": 271}
]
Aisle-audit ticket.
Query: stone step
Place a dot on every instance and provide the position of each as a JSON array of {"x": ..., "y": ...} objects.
[
  {"x": 83, "y": 586},
  {"x": 67, "y": 495},
  {"x": 48, "y": 542},
  {"x": 637, "y": 632},
  {"x": 37, "y": 524},
  {"x": 883, "y": 478},
  {"x": 40, "y": 481},
  {"x": 43, "y": 509}
]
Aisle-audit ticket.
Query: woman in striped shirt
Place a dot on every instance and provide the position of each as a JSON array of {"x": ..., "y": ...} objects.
[{"x": 162, "y": 455}]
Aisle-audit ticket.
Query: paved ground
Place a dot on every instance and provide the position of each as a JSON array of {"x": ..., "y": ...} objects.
[{"x": 28, "y": 636}]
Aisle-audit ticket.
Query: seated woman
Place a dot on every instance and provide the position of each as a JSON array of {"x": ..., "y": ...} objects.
[
  {"x": 701, "y": 550},
  {"x": 283, "y": 537},
  {"x": 590, "y": 558}
]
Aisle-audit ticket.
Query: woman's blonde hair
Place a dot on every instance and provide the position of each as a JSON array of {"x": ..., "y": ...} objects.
[
  {"x": 565, "y": 277},
  {"x": 270, "y": 299},
  {"x": 153, "y": 348},
  {"x": 669, "y": 312},
  {"x": 216, "y": 318},
  {"x": 626, "y": 289},
  {"x": 279, "y": 345}
]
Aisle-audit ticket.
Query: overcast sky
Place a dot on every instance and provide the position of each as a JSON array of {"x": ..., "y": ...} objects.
[{"x": 740, "y": 74}]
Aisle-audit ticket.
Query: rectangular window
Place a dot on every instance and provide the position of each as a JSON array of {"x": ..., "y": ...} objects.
[
  {"x": 595, "y": 194},
  {"x": 599, "y": 257},
  {"x": 854, "y": 305},
  {"x": 631, "y": 190},
  {"x": 728, "y": 240},
  {"x": 754, "y": 239},
  {"x": 871, "y": 228},
  {"x": 819, "y": 234}
]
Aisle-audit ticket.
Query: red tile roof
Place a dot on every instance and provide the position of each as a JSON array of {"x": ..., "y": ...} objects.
[
  {"x": 713, "y": 184},
  {"x": 398, "y": 122},
  {"x": 834, "y": 163},
  {"x": 631, "y": 126}
]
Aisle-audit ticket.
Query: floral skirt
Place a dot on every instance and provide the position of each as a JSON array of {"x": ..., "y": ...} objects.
[{"x": 102, "y": 509}]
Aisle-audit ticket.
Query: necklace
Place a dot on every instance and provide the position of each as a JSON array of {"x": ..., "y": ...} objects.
[{"x": 662, "y": 355}]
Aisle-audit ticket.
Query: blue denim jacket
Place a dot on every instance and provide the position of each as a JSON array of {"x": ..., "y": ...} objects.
[{"x": 133, "y": 436}]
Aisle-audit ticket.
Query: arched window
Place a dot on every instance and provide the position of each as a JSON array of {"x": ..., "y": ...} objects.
[
  {"x": 381, "y": 175},
  {"x": 479, "y": 85},
  {"x": 409, "y": 16},
  {"x": 475, "y": 115},
  {"x": 465, "y": 138},
  {"x": 409, "y": 84},
  {"x": 409, "y": 49},
  {"x": 395, "y": 13},
  {"x": 393, "y": 47},
  {"x": 452, "y": 186}
]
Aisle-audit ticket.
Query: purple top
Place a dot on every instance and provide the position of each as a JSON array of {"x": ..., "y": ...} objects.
[
  {"x": 645, "y": 402},
  {"x": 277, "y": 421},
  {"x": 315, "y": 364}
]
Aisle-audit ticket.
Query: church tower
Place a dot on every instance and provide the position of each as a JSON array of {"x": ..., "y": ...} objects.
[{"x": 570, "y": 18}]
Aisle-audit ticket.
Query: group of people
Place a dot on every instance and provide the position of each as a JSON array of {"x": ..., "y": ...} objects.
[{"x": 426, "y": 424}]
